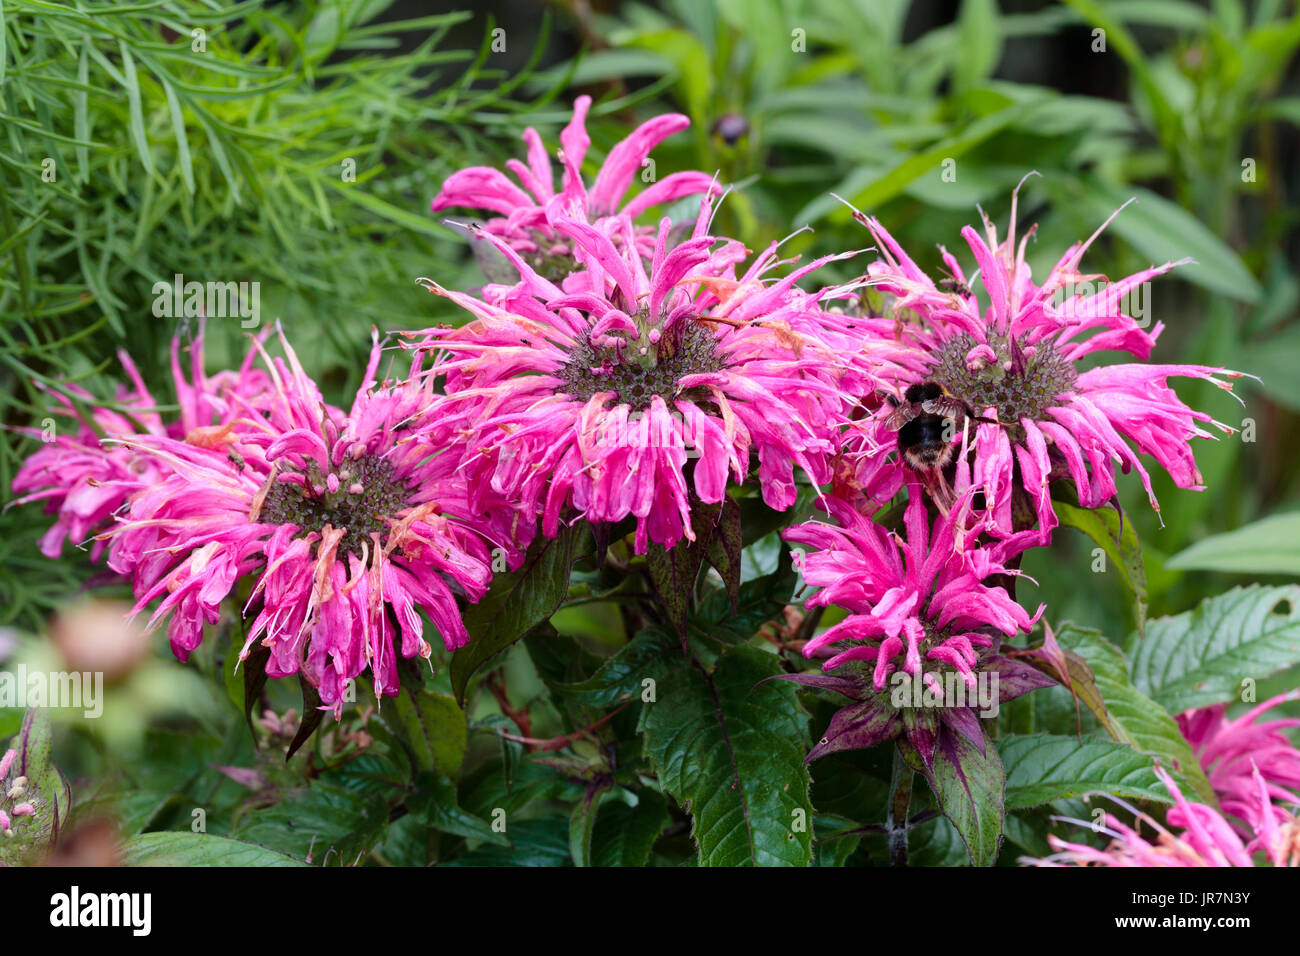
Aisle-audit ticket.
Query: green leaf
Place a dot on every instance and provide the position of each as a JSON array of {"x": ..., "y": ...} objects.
[
  {"x": 1103, "y": 525},
  {"x": 1130, "y": 716},
  {"x": 647, "y": 655},
  {"x": 132, "y": 83},
  {"x": 885, "y": 187},
  {"x": 199, "y": 849},
  {"x": 625, "y": 835},
  {"x": 182, "y": 141},
  {"x": 760, "y": 601},
  {"x": 970, "y": 789},
  {"x": 434, "y": 727},
  {"x": 833, "y": 844},
  {"x": 334, "y": 820},
  {"x": 582, "y": 822},
  {"x": 1165, "y": 232},
  {"x": 517, "y": 602},
  {"x": 1268, "y": 546},
  {"x": 687, "y": 54},
  {"x": 1041, "y": 768},
  {"x": 435, "y": 804},
  {"x": 1202, "y": 656},
  {"x": 731, "y": 751},
  {"x": 543, "y": 842},
  {"x": 979, "y": 43}
]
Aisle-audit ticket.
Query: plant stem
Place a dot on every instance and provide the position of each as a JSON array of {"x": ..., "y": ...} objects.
[{"x": 900, "y": 797}]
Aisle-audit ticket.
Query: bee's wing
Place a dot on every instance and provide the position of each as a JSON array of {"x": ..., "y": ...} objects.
[
  {"x": 902, "y": 415},
  {"x": 947, "y": 406}
]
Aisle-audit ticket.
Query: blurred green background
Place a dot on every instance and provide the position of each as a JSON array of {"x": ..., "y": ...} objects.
[{"x": 211, "y": 140}]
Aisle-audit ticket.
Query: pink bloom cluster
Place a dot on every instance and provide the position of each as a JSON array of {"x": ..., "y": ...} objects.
[
  {"x": 1010, "y": 364},
  {"x": 1235, "y": 752},
  {"x": 1206, "y": 837},
  {"x": 631, "y": 374},
  {"x": 646, "y": 384}
]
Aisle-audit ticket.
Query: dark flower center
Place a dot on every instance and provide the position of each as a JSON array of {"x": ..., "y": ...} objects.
[
  {"x": 1019, "y": 386},
  {"x": 637, "y": 370},
  {"x": 368, "y": 490}
]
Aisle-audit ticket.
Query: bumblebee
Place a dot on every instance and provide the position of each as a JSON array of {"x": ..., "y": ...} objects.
[
  {"x": 926, "y": 421},
  {"x": 951, "y": 284},
  {"x": 956, "y": 286}
]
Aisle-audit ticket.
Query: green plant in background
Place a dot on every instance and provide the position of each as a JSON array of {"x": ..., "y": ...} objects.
[{"x": 227, "y": 144}]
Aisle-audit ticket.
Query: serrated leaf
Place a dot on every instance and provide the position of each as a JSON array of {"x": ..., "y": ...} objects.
[
  {"x": 647, "y": 655},
  {"x": 1268, "y": 546},
  {"x": 1202, "y": 656},
  {"x": 1045, "y": 767},
  {"x": 731, "y": 750},
  {"x": 625, "y": 835},
  {"x": 1130, "y": 716},
  {"x": 517, "y": 603},
  {"x": 199, "y": 849}
]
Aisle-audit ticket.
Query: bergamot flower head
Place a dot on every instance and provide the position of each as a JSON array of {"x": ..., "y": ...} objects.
[
  {"x": 522, "y": 219},
  {"x": 643, "y": 384},
  {"x": 1013, "y": 357},
  {"x": 349, "y": 525}
]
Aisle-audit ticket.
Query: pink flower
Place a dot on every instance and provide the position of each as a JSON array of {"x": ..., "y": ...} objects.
[
  {"x": 1015, "y": 363},
  {"x": 1207, "y": 839},
  {"x": 645, "y": 384},
  {"x": 917, "y": 608},
  {"x": 920, "y": 602},
  {"x": 84, "y": 482},
  {"x": 522, "y": 219},
  {"x": 1234, "y": 752},
  {"x": 346, "y": 523}
]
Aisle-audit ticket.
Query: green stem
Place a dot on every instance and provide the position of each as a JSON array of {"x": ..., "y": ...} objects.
[{"x": 900, "y": 797}]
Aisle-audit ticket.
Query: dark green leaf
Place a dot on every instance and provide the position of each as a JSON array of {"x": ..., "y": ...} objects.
[
  {"x": 434, "y": 804},
  {"x": 625, "y": 835},
  {"x": 731, "y": 750},
  {"x": 517, "y": 603},
  {"x": 1130, "y": 716}
]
